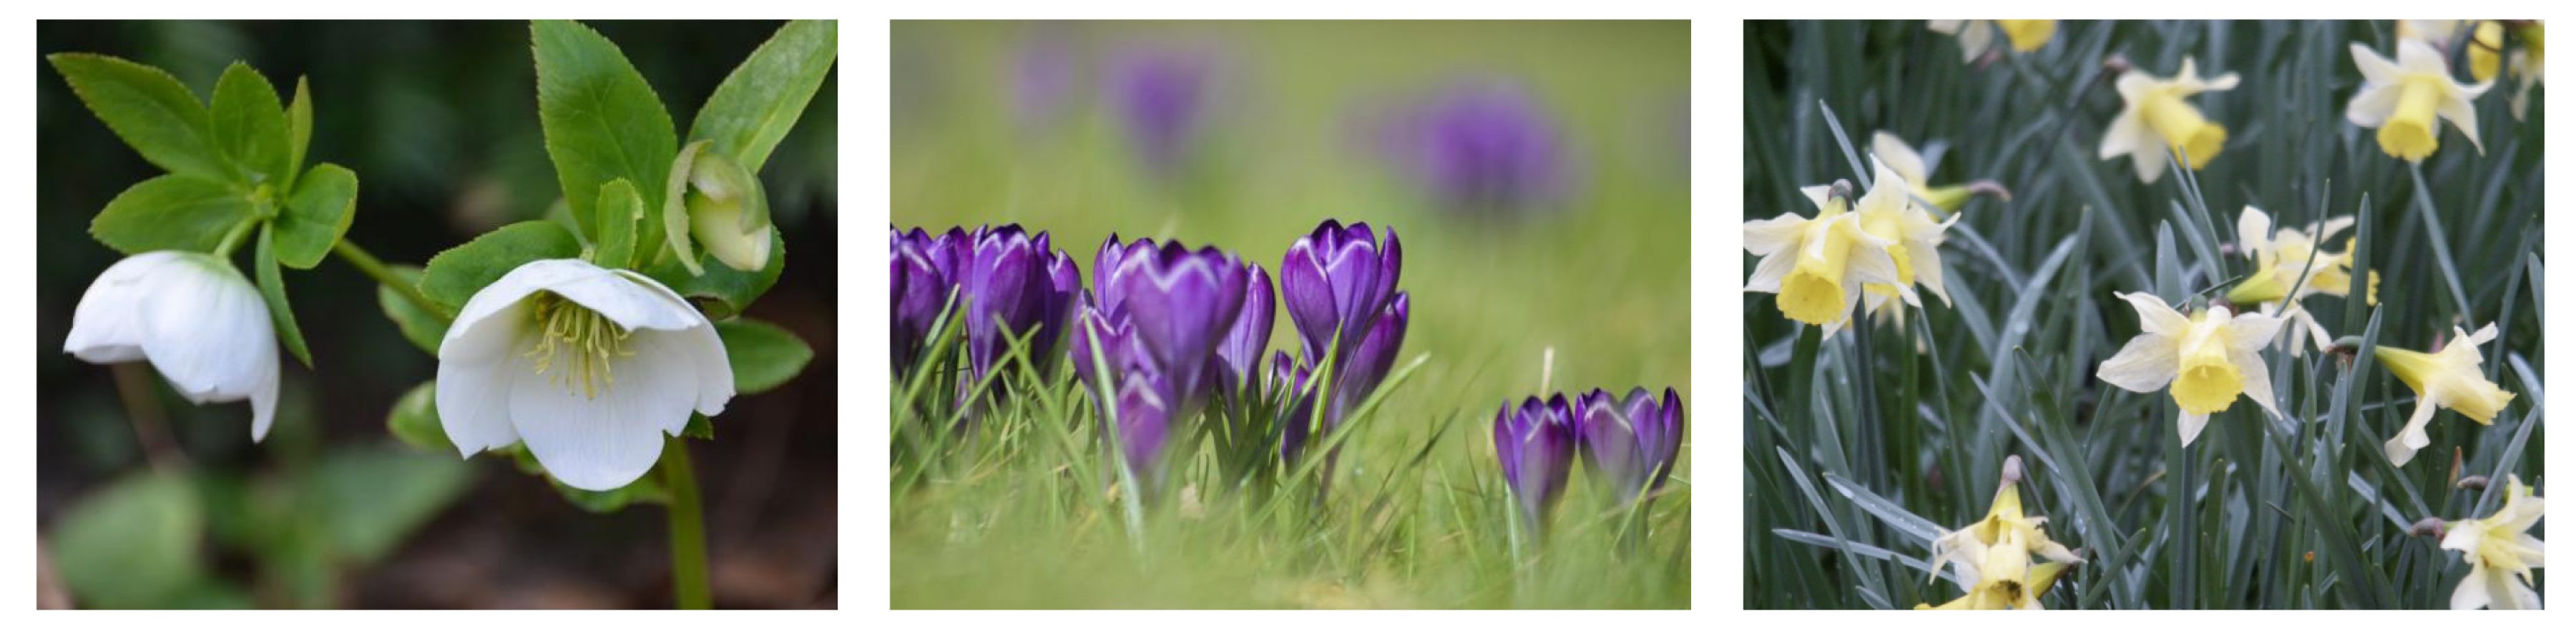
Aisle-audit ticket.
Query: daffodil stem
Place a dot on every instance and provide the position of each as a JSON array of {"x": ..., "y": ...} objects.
[
  {"x": 367, "y": 264},
  {"x": 688, "y": 528}
]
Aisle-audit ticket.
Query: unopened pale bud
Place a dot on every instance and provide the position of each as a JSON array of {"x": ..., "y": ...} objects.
[{"x": 728, "y": 212}]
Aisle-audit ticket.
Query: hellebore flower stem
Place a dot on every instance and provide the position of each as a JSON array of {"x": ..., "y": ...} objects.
[
  {"x": 688, "y": 529},
  {"x": 367, "y": 264},
  {"x": 233, "y": 237}
]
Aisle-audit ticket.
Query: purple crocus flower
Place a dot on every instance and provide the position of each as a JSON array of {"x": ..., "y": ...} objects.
[
  {"x": 1336, "y": 281},
  {"x": 925, "y": 271},
  {"x": 1181, "y": 302},
  {"x": 1481, "y": 146},
  {"x": 1161, "y": 95},
  {"x": 1239, "y": 356},
  {"x": 1370, "y": 361},
  {"x": 1016, "y": 286},
  {"x": 1536, "y": 445},
  {"x": 1632, "y": 442},
  {"x": 1145, "y": 415}
]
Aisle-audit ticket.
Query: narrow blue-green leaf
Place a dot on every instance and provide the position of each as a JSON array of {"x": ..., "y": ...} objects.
[
  {"x": 1887, "y": 511},
  {"x": 316, "y": 215},
  {"x": 273, "y": 289},
  {"x": 2441, "y": 241},
  {"x": 761, "y": 100},
  {"x": 602, "y": 121},
  {"x": 250, "y": 126},
  {"x": 171, "y": 212},
  {"x": 149, "y": 109}
]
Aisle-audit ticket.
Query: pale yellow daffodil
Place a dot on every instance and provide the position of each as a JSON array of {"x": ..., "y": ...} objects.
[
  {"x": 2448, "y": 378},
  {"x": 1818, "y": 266},
  {"x": 1909, "y": 164},
  {"x": 2485, "y": 49},
  {"x": 2280, "y": 255},
  {"x": 2402, "y": 99},
  {"x": 1976, "y": 36},
  {"x": 1992, "y": 557},
  {"x": 2526, "y": 66},
  {"x": 2155, "y": 121},
  {"x": 2500, "y": 553},
  {"x": 1890, "y": 213},
  {"x": 2209, "y": 357}
]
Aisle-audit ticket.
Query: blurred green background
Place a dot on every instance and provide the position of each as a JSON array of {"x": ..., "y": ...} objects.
[
  {"x": 1288, "y": 138},
  {"x": 439, "y": 121}
]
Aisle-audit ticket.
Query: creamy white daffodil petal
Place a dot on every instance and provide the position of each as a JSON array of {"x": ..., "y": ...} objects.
[
  {"x": 2449, "y": 378},
  {"x": 195, "y": 318},
  {"x": 1818, "y": 266},
  {"x": 2206, "y": 360},
  {"x": 2402, "y": 98},
  {"x": 2500, "y": 553},
  {"x": 2154, "y": 121},
  {"x": 591, "y": 367}
]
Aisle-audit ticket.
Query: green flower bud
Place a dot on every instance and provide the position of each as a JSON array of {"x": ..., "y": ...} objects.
[{"x": 728, "y": 212}]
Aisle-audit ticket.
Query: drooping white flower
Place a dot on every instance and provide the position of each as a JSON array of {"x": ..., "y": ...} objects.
[
  {"x": 199, "y": 322},
  {"x": 590, "y": 366}
]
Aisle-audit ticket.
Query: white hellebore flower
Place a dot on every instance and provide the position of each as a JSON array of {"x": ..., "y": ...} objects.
[
  {"x": 2501, "y": 555},
  {"x": 2209, "y": 357},
  {"x": 202, "y": 325},
  {"x": 2154, "y": 122},
  {"x": 2402, "y": 99},
  {"x": 590, "y": 366}
]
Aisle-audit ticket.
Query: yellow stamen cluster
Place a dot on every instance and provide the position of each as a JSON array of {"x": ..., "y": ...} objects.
[{"x": 586, "y": 342}]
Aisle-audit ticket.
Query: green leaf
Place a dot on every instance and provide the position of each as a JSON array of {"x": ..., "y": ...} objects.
[
  {"x": 414, "y": 420},
  {"x": 601, "y": 120},
  {"x": 763, "y": 356},
  {"x": 420, "y": 325},
  {"x": 371, "y": 498},
  {"x": 454, "y": 275},
  {"x": 250, "y": 126},
  {"x": 699, "y": 427},
  {"x": 149, "y": 109},
  {"x": 133, "y": 543},
  {"x": 325, "y": 201},
  {"x": 723, "y": 291},
  {"x": 299, "y": 129},
  {"x": 171, "y": 212},
  {"x": 273, "y": 289},
  {"x": 760, "y": 101},
  {"x": 675, "y": 206},
  {"x": 621, "y": 209}
]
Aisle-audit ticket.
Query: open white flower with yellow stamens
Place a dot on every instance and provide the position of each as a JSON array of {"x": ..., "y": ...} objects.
[
  {"x": 2280, "y": 257},
  {"x": 1976, "y": 36},
  {"x": 1889, "y": 212},
  {"x": 1909, "y": 164},
  {"x": 2448, "y": 378},
  {"x": 1818, "y": 266},
  {"x": 2402, "y": 99},
  {"x": 2209, "y": 357},
  {"x": 194, "y": 317},
  {"x": 590, "y": 366},
  {"x": 2155, "y": 122},
  {"x": 2485, "y": 47},
  {"x": 2500, "y": 553}
]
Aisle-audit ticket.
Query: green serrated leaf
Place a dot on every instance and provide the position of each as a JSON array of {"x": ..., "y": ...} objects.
[
  {"x": 371, "y": 498},
  {"x": 454, "y": 275},
  {"x": 723, "y": 291},
  {"x": 325, "y": 201},
  {"x": 299, "y": 129},
  {"x": 273, "y": 289},
  {"x": 171, "y": 212},
  {"x": 700, "y": 427},
  {"x": 763, "y": 355},
  {"x": 414, "y": 420},
  {"x": 133, "y": 543},
  {"x": 761, "y": 100},
  {"x": 620, "y": 211},
  {"x": 149, "y": 109},
  {"x": 250, "y": 126},
  {"x": 423, "y": 327},
  {"x": 602, "y": 120}
]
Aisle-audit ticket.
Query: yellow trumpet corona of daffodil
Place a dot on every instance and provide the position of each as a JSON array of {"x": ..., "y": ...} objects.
[
  {"x": 2500, "y": 552},
  {"x": 2279, "y": 258},
  {"x": 1978, "y": 36},
  {"x": 1818, "y": 266},
  {"x": 2486, "y": 41},
  {"x": 2209, "y": 358},
  {"x": 2155, "y": 121},
  {"x": 1992, "y": 557},
  {"x": 1909, "y": 164},
  {"x": 2448, "y": 378},
  {"x": 2402, "y": 99}
]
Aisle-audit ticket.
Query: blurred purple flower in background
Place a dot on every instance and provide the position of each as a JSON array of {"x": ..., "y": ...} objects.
[
  {"x": 1536, "y": 445},
  {"x": 926, "y": 268},
  {"x": 1482, "y": 148},
  {"x": 1043, "y": 76},
  {"x": 1014, "y": 282},
  {"x": 1161, "y": 96},
  {"x": 1631, "y": 442}
]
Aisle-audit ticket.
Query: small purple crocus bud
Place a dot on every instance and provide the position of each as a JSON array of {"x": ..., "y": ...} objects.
[
  {"x": 1181, "y": 303},
  {"x": 1536, "y": 445},
  {"x": 1109, "y": 265},
  {"x": 1297, "y": 415},
  {"x": 1631, "y": 442},
  {"x": 1336, "y": 280},
  {"x": 1481, "y": 146},
  {"x": 1013, "y": 285},
  {"x": 1239, "y": 356},
  {"x": 1161, "y": 95},
  {"x": 924, "y": 273},
  {"x": 1371, "y": 359}
]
